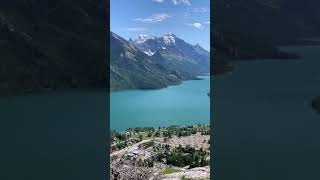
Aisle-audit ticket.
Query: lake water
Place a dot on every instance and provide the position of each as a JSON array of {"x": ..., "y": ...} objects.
[
  {"x": 184, "y": 104},
  {"x": 54, "y": 135},
  {"x": 265, "y": 126}
]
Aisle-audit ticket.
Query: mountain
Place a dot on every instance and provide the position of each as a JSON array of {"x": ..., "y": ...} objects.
[
  {"x": 52, "y": 44},
  {"x": 235, "y": 45},
  {"x": 130, "y": 68},
  {"x": 200, "y": 50},
  {"x": 253, "y": 28},
  {"x": 174, "y": 53},
  {"x": 280, "y": 20}
]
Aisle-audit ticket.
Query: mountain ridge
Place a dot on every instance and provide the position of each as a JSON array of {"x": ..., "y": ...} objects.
[
  {"x": 174, "y": 53},
  {"x": 131, "y": 68},
  {"x": 256, "y": 27}
]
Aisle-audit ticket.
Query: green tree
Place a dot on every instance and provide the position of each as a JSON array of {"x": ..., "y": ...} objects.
[{"x": 157, "y": 134}]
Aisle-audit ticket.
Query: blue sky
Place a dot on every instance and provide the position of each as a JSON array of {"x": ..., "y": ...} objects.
[{"x": 187, "y": 19}]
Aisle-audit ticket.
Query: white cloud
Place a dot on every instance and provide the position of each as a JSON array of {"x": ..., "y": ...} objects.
[
  {"x": 200, "y": 10},
  {"x": 137, "y": 29},
  {"x": 186, "y": 2},
  {"x": 196, "y": 25},
  {"x": 158, "y": 1},
  {"x": 154, "y": 18}
]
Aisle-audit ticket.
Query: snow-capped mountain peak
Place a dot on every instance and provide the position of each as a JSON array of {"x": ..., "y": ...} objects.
[
  {"x": 197, "y": 45},
  {"x": 169, "y": 38},
  {"x": 143, "y": 38}
]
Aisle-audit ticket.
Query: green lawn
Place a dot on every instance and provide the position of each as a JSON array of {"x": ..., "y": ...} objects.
[{"x": 171, "y": 170}]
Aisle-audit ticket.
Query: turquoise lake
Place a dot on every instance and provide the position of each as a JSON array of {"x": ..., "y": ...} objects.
[{"x": 184, "y": 104}]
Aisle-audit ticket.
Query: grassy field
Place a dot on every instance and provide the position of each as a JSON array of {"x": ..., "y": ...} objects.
[{"x": 170, "y": 171}]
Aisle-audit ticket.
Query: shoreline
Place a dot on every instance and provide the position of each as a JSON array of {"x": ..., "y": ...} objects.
[
  {"x": 163, "y": 127},
  {"x": 159, "y": 88}
]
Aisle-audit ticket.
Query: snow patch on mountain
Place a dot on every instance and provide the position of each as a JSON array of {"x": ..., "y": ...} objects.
[{"x": 149, "y": 53}]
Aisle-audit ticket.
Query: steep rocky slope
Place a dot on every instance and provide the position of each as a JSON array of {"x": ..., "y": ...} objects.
[
  {"x": 130, "y": 68},
  {"x": 52, "y": 44}
]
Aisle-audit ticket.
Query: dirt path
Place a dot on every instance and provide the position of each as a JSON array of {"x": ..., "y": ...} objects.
[{"x": 123, "y": 151}]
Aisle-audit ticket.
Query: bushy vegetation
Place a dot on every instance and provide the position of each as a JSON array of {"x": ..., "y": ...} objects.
[
  {"x": 117, "y": 136},
  {"x": 149, "y": 162},
  {"x": 182, "y": 156},
  {"x": 120, "y": 140},
  {"x": 186, "y": 131},
  {"x": 149, "y": 144},
  {"x": 141, "y": 129}
]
